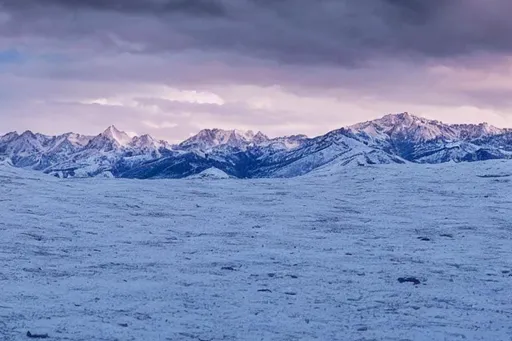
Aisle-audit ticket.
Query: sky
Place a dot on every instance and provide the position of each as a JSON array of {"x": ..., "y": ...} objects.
[{"x": 172, "y": 67}]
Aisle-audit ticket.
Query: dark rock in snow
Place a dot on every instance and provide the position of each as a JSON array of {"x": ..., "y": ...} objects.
[
  {"x": 37, "y": 336},
  {"x": 412, "y": 280},
  {"x": 447, "y": 235}
]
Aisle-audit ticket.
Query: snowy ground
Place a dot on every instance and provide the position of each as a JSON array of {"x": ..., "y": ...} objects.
[{"x": 312, "y": 258}]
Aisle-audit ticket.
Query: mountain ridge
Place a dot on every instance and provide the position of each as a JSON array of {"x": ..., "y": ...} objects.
[{"x": 393, "y": 138}]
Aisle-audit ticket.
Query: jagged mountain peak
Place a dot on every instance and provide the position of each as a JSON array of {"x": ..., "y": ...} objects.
[
  {"x": 110, "y": 139},
  {"x": 35, "y": 139},
  {"x": 210, "y": 138},
  {"x": 77, "y": 139},
  {"x": 28, "y": 134},
  {"x": 9, "y": 136},
  {"x": 402, "y": 125},
  {"x": 399, "y": 119},
  {"x": 144, "y": 138},
  {"x": 478, "y": 130},
  {"x": 260, "y": 134},
  {"x": 145, "y": 141},
  {"x": 417, "y": 129},
  {"x": 117, "y": 135},
  {"x": 402, "y": 116},
  {"x": 111, "y": 129},
  {"x": 393, "y": 138},
  {"x": 248, "y": 134}
]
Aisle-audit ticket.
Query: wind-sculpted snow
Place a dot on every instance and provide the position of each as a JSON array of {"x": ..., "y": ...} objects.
[{"x": 394, "y": 252}]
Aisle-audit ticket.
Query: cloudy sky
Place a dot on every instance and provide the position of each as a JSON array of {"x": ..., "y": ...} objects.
[{"x": 173, "y": 67}]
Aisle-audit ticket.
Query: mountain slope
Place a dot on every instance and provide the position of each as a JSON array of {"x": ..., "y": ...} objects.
[
  {"x": 397, "y": 138},
  {"x": 210, "y": 174},
  {"x": 428, "y": 141},
  {"x": 208, "y": 139}
]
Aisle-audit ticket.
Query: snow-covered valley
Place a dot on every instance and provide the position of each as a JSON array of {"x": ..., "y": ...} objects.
[{"x": 317, "y": 257}]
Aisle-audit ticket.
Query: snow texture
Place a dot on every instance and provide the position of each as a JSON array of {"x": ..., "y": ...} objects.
[{"x": 388, "y": 252}]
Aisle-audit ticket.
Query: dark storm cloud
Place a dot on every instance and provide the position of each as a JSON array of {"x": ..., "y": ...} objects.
[
  {"x": 195, "y": 7},
  {"x": 335, "y": 32}
]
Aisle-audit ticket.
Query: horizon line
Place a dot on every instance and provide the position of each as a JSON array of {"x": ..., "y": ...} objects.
[{"x": 133, "y": 134}]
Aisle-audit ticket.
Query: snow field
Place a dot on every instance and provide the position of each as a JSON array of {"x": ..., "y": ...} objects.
[{"x": 310, "y": 258}]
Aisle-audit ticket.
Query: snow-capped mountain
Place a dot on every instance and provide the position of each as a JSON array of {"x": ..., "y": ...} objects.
[
  {"x": 119, "y": 137},
  {"x": 110, "y": 139},
  {"x": 394, "y": 138},
  {"x": 209, "y": 139},
  {"x": 38, "y": 151},
  {"x": 414, "y": 129},
  {"x": 417, "y": 139}
]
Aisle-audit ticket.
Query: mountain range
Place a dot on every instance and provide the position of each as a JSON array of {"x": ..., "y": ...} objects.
[{"x": 395, "y": 138}]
